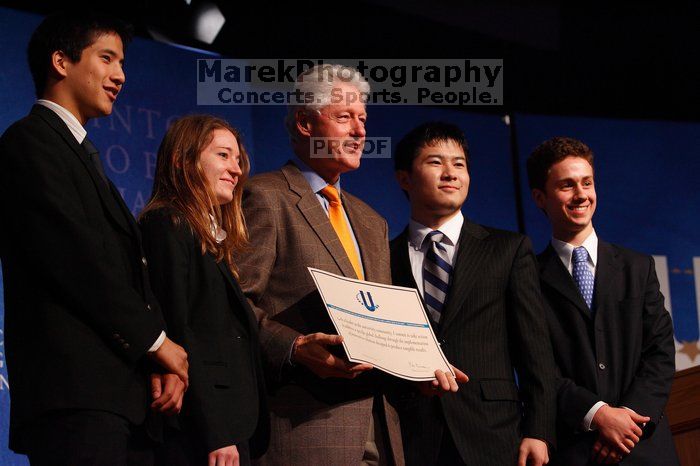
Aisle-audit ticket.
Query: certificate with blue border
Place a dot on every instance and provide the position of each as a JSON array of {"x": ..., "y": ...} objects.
[{"x": 382, "y": 325}]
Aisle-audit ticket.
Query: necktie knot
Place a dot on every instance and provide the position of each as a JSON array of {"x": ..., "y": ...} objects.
[
  {"x": 580, "y": 255},
  {"x": 331, "y": 193},
  {"x": 435, "y": 236}
]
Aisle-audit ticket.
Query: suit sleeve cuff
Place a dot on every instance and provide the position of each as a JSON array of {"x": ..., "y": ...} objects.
[
  {"x": 159, "y": 341},
  {"x": 588, "y": 418}
]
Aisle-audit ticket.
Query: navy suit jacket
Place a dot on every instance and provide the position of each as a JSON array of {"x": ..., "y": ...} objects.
[
  {"x": 622, "y": 353},
  {"x": 79, "y": 313},
  {"x": 208, "y": 315}
]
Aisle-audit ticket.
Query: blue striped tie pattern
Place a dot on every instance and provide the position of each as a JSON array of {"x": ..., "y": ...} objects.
[
  {"x": 436, "y": 274},
  {"x": 582, "y": 274}
]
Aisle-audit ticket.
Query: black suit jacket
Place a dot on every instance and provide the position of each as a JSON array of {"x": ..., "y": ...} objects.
[
  {"x": 492, "y": 323},
  {"x": 622, "y": 353},
  {"x": 208, "y": 315},
  {"x": 79, "y": 314}
]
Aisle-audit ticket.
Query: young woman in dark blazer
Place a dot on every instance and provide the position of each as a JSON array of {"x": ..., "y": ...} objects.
[{"x": 192, "y": 229}]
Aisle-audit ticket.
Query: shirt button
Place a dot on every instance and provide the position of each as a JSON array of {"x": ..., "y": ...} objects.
[
  {"x": 125, "y": 346},
  {"x": 148, "y": 307},
  {"x": 144, "y": 261},
  {"x": 601, "y": 366},
  {"x": 116, "y": 336}
]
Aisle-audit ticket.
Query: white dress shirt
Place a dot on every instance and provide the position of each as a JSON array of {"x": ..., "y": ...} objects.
[
  {"x": 68, "y": 118},
  {"x": 565, "y": 252},
  {"x": 417, "y": 232}
]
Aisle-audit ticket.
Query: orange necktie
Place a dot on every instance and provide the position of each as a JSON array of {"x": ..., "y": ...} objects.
[{"x": 335, "y": 214}]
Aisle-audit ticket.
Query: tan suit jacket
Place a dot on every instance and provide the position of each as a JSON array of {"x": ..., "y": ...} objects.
[{"x": 314, "y": 420}]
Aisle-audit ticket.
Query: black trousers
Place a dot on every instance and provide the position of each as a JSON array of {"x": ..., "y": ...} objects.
[{"x": 87, "y": 438}]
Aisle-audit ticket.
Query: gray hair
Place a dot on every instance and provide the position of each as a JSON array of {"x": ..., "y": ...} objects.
[{"x": 319, "y": 83}]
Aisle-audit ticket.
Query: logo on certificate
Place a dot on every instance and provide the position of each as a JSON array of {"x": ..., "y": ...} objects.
[{"x": 366, "y": 300}]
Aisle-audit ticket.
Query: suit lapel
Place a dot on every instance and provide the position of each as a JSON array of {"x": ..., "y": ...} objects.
[
  {"x": 606, "y": 275},
  {"x": 401, "y": 270},
  {"x": 314, "y": 214},
  {"x": 134, "y": 228},
  {"x": 108, "y": 200},
  {"x": 249, "y": 317},
  {"x": 553, "y": 273},
  {"x": 470, "y": 261}
]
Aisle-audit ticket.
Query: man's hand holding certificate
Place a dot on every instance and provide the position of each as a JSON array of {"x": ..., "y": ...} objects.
[{"x": 387, "y": 327}]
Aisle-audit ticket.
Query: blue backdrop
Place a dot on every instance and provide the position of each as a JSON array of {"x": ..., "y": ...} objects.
[{"x": 646, "y": 199}]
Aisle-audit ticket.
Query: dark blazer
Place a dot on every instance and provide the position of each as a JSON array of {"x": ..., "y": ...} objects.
[
  {"x": 623, "y": 353},
  {"x": 79, "y": 314},
  {"x": 208, "y": 315},
  {"x": 492, "y": 323},
  {"x": 314, "y": 420}
]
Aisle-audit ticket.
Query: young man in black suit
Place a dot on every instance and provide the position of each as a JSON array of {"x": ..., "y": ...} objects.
[
  {"x": 612, "y": 336},
  {"x": 81, "y": 323},
  {"x": 479, "y": 285}
]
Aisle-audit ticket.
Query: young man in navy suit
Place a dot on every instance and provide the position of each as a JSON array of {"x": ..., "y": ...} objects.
[
  {"x": 82, "y": 328},
  {"x": 611, "y": 335},
  {"x": 479, "y": 285}
]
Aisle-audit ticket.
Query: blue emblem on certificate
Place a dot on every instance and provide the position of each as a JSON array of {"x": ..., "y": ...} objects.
[{"x": 367, "y": 301}]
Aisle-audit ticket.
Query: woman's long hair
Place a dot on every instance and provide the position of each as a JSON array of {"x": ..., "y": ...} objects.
[{"x": 180, "y": 185}]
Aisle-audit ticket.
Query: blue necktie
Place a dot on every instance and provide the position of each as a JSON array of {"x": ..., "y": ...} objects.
[
  {"x": 436, "y": 275},
  {"x": 582, "y": 274}
]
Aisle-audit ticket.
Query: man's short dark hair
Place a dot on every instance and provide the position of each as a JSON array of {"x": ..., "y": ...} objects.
[
  {"x": 551, "y": 152},
  {"x": 70, "y": 33},
  {"x": 427, "y": 134}
]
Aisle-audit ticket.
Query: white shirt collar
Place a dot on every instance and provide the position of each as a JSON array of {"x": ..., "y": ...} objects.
[
  {"x": 68, "y": 118},
  {"x": 315, "y": 180},
  {"x": 217, "y": 232},
  {"x": 565, "y": 250},
  {"x": 451, "y": 229}
]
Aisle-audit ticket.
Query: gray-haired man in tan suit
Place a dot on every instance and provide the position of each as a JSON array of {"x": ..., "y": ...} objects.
[{"x": 324, "y": 410}]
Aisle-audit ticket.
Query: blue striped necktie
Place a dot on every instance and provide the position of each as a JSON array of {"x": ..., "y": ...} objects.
[
  {"x": 582, "y": 274},
  {"x": 436, "y": 274}
]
